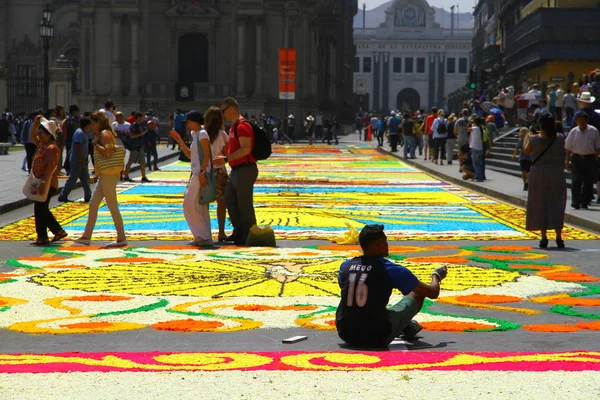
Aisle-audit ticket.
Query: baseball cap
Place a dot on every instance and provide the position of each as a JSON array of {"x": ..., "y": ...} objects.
[{"x": 195, "y": 116}]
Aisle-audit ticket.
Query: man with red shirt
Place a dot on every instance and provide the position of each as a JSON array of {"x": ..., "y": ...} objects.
[
  {"x": 428, "y": 132},
  {"x": 244, "y": 172}
]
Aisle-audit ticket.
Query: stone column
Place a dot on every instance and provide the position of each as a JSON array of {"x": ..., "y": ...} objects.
[
  {"x": 432, "y": 75},
  {"x": 135, "y": 63},
  {"x": 116, "y": 53},
  {"x": 312, "y": 60},
  {"x": 241, "y": 69},
  {"x": 4, "y": 84},
  {"x": 386, "y": 83},
  {"x": 258, "y": 92},
  {"x": 86, "y": 68},
  {"x": 376, "y": 68}
]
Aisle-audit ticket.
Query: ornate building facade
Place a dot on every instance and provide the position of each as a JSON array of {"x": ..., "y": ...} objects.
[
  {"x": 167, "y": 54},
  {"x": 409, "y": 62}
]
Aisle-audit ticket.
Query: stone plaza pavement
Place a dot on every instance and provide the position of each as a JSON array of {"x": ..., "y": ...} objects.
[{"x": 163, "y": 320}]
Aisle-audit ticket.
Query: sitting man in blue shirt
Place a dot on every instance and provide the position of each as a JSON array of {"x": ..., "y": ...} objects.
[{"x": 362, "y": 317}]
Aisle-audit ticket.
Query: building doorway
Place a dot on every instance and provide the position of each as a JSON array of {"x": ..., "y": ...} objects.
[
  {"x": 193, "y": 59},
  {"x": 408, "y": 100}
]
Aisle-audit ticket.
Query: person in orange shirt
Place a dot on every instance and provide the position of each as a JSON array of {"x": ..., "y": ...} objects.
[{"x": 428, "y": 132}]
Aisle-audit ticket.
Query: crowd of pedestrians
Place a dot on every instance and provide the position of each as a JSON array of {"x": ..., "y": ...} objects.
[{"x": 104, "y": 135}]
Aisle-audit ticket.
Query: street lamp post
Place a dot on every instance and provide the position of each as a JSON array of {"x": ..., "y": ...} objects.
[{"x": 46, "y": 32}]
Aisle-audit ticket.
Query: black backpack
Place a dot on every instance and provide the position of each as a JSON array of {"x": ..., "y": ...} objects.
[
  {"x": 262, "y": 145},
  {"x": 442, "y": 128}
]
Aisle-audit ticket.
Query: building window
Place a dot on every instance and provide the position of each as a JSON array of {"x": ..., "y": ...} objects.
[
  {"x": 397, "y": 64},
  {"x": 27, "y": 75},
  {"x": 420, "y": 65},
  {"x": 367, "y": 64},
  {"x": 356, "y": 64},
  {"x": 408, "y": 65},
  {"x": 462, "y": 65},
  {"x": 451, "y": 65}
]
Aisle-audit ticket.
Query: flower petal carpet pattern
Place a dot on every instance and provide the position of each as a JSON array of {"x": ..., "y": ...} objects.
[
  {"x": 313, "y": 193},
  {"x": 81, "y": 290}
]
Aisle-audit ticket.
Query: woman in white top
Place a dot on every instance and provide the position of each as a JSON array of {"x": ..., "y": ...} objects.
[
  {"x": 196, "y": 215},
  {"x": 219, "y": 146},
  {"x": 476, "y": 146}
]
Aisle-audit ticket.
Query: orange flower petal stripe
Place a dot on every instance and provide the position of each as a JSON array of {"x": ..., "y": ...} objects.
[
  {"x": 188, "y": 325},
  {"x": 455, "y": 326},
  {"x": 488, "y": 299},
  {"x": 551, "y": 328}
]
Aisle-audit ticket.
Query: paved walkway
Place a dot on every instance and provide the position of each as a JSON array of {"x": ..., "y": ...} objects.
[
  {"x": 503, "y": 187},
  {"x": 13, "y": 178}
]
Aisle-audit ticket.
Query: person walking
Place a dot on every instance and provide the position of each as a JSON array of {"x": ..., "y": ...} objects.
[
  {"x": 239, "y": 194},
  {"x": 26, "y": 141},
  {"x": 393, "y": 129},
  {"x": 570, "y": 104},
  {"x": 309, "y": 126},
  {"x": 583, "y": 147},
  {"x": 69, "y": 127},
  {"x": 196, "y": 214},
  {"x": 104, "y": 143},
  {"x": 476, "y": 146},
  {"x": 461, "y": 131},
  {"x": 45, "y": 167},
  {"x": 136, "y": 151},
  {"x": 381, "y": 124},
  {"x": 547, "y": 194},
  {"x": 151, "y": 140},
  {"x": 451, "y": 139},
  {"x": 319, "y": 125},
  {"x": 427, "y": 132},
  {"x": 440, "y": 134},
  {"x": 78, "y": 163},
  {"x": 408, "y": 131},
  {"x": 336, "y": 127}
]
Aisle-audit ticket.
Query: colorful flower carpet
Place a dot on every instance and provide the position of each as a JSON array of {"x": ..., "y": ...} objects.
[
  {"x": 314, "y": 193},
  {"x": 76, "y": 294},
  {"x": 81, "y": 290},
  {"x": 299, "y": 375}
]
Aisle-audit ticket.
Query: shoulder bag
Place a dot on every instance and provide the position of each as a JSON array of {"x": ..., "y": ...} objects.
[
  {"x": 543, "y": 152},
  {"x": 112, "y": 165},
  {"x": 32, "y": 187},
  {"x": 208, "y": 194}
]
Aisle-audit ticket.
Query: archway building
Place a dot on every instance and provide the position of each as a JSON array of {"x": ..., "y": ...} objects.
[{"x": 409, "y": 61}]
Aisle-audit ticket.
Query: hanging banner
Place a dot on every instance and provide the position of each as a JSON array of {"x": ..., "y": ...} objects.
[{"x": 287, "y": 74}]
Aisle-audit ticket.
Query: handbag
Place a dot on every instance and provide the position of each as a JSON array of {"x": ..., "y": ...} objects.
[
  {"x": 112, "y": 165},
  {"x": 544, "y": 152},
  {"x": 208, "y": 194},
  {"x": 32, "y": 187}
]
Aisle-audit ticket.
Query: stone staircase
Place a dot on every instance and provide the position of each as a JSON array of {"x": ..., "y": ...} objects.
[{"x": 501, "y": 154}]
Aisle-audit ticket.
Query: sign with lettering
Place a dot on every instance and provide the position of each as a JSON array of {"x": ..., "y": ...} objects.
[{"x": 287, "y": 74}]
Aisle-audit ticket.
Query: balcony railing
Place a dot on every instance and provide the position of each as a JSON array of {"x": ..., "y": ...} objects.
[
  {"x": 368, "y": 33},
  {"x": 549, "y": 34}
]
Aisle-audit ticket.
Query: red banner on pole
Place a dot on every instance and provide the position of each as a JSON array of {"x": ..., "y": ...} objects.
[{"x": 287, "y": 74}]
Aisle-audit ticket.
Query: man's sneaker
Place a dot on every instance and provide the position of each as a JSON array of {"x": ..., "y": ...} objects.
[
  {"x": 128, "y": 179},
  {"x": 64, "y": 200},
  {"x": 411, "y": 330},
  {"x": 146, "y": 180}
]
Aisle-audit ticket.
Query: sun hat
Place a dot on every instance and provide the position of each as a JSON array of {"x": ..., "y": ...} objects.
[
  {"x": 586, "y": 97},
  {"x": 50, "y": 127}
]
